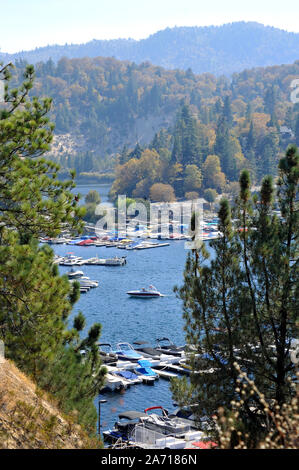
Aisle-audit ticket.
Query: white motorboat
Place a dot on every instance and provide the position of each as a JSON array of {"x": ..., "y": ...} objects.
[
  {"x": 126, "y": 352},
  {"x": 155, "y": 355},
  {"x": 85, "y": 281},
  {"x": 113, "y": 383},
  {"x": 127, "y": 377},
  {"x": 108, "y": 261},
  {"x": 72, "y": 260},
  {"x": 143, "y": 293},
  {"x": 75, "y": 274}
]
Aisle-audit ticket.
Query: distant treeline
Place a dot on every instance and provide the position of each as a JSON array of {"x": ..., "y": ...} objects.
[
  {"x": 221, "y": 50},
  {"x": 245, "y": 122}
]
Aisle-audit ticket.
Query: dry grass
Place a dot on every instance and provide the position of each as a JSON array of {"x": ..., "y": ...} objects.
[
  {"x": 29, "y": 419},
  {"x": 282, "y": 431}
]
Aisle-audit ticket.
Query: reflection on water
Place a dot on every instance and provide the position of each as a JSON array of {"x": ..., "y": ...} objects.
[{"x": 83, "y": 189}]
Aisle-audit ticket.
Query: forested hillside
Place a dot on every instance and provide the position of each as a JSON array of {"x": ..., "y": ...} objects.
[
  {"x": 215, "y": 49},
  {"x": 104, "y": 109}
]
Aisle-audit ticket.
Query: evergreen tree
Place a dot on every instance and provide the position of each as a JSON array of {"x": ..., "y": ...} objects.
[
  {"x": 297, "y": 130},
  {"x": 35, "y": 301},
  {"x": 211, "y": 302},
  {"x": 32, "y": 200},
  {"x": 227, "y": 111},
  {"x": 137, "y": 152},
  {"x": 223, "y": 148},
  {"x": 270, "y": 100},
  {"x": 251, "y": 138},
  {"x": 267, "y": 151},
  {"x": 124, "y": 156},
  {"x": 186, "y": 147},
  {"x": 242, "y": 306}
]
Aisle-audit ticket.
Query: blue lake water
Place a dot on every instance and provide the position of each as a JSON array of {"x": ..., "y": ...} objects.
[{"x": 128, "y": 319}]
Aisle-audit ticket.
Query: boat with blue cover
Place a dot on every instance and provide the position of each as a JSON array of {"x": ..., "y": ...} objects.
[
  {"x": 129, "y": 376},
  {"x": 145, "y": 370},
  {"x": 126, "y": 352}
]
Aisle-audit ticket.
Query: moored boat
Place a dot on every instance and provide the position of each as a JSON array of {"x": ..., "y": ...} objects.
[
  {"x": 126, "y": 352},
  {"x": 144, "y": 293}
]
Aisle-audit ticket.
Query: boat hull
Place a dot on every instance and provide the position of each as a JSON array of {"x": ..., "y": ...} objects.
[{"x": 144, "y": 295}]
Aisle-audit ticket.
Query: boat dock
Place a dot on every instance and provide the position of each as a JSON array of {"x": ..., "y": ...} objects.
[{"x": 78, "y": 261}]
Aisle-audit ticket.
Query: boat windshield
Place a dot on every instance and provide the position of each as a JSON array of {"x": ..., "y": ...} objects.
[{"x": 125, "y": 347}]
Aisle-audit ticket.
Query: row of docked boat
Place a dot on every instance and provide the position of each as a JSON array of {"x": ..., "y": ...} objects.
[
  {"x": 107, "y": 242},
  {"x": 155, "y": 428},
  {"x": 128, "y": 365},
  {"x": 143, "y": 245},
  {"x": 131, "y": 239},
  {"x": 129, "y": 244}
]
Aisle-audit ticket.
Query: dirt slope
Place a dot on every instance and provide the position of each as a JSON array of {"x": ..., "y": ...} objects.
[{"x": 28, "y": 420}]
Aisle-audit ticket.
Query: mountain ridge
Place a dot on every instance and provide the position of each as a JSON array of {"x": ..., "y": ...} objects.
[{"x": 220, "y": 50}]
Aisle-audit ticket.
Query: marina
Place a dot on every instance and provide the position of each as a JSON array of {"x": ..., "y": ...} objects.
[
  {"x": 156, "y": 428},
  {"x": 133, "y": 320},
  {"x": 149, "y": 228}
]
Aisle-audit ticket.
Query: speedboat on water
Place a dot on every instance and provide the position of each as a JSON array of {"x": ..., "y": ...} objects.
[
  {"x": 144, "y": 293},
  {"x": 86, "y": 281}
]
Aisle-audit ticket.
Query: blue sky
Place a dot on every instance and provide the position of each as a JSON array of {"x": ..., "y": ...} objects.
[{"x": 26, "y": 24}]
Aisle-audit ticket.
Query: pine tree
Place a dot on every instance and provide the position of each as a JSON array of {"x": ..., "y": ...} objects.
[
  {"x": 267, "y": 152},
  {"x": 297, "y": 131},
  {"x": 32, "y": 200},
  {"x": 270, "y": 100},
  {"x": 251, "y": 138},
  {"x": 137, "y": 152},
  {"x": 186, "y": 147},
  {"x": 35, "y": 302},
  {"x": 242, "y": 306},
  {"x": 211, "y": 297},
  {"x": 223, "y": 148},
  {"x": 227, "y": 111}
]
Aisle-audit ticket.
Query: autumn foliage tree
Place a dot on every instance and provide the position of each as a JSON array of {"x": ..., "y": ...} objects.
[{"x": 160, "y": 192}]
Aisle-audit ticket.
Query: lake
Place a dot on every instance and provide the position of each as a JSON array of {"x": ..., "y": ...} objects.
[{"x": 130, "y": 319}]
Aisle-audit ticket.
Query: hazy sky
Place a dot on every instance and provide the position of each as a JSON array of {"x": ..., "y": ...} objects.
[{"x": 26, "y": 24}]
